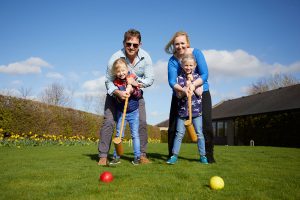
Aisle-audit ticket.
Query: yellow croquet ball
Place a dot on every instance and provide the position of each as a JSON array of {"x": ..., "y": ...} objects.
[{"x": 216, "y": 183}]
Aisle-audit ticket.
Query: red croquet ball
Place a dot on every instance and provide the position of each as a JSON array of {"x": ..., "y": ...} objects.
[{"x": 106, "y": 177}]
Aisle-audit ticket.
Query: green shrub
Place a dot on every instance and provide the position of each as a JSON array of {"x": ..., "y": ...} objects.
[{"x": 24, "y": 116}]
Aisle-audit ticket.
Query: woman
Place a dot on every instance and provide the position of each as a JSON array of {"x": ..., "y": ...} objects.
[{"x": 179, "y": 45}]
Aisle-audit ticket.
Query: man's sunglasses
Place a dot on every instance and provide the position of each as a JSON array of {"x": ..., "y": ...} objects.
[{"x": 128, "y": 44}]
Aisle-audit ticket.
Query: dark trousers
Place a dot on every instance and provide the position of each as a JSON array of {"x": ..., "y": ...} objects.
[
  {"x": 109, "y": 122},
  {"x": 207, "y": 125}
]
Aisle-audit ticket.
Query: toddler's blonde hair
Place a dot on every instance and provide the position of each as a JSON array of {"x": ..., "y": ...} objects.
[{"x": 117, "y": 64}]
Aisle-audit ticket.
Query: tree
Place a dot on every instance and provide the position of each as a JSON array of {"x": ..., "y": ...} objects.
[
  {"x": 99, "y": 103},
  {"x": 94, "y": 102},
  {"x": 87, "y": 102},
  {"x": 25, "y": 92},
  {"x": 55, "y": 94},
  {"x": 273, "y": 82}
]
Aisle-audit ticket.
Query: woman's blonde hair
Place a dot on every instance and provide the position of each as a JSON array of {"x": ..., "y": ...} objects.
[
  {"x": 117, "y": 63},
  {"x": 169, "y": 48}
]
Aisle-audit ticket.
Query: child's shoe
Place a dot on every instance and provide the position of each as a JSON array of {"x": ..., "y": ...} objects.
[
  {"x": 203, "y": 160},
  {"x": 136, "y": 161},
  {"x": 172, "y": 160},
  {"x": 115, "y": 161}
]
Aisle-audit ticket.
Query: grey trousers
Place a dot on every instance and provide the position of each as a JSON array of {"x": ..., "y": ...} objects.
[{"x": 109, "y": 122}]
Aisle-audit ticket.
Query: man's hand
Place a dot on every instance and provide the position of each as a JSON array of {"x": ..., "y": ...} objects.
[
  {"x": 140, "y": 85},
  {"x": 129, "y": 89},
  {"x": 121, "y": 94},
  {"x": 131, "y": 81}
]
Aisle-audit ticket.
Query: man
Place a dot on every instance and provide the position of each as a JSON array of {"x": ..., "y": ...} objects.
[{"x": 139, "y": 63}]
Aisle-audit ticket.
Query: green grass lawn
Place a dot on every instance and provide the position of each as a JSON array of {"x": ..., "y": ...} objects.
[{"x": 62, "y": 172}]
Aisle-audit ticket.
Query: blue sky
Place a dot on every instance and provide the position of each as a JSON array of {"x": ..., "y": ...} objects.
[{"x": 70, "y": 41}]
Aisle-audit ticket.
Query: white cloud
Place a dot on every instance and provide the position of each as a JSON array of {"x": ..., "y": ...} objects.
[
  {"x": 160, "y": 72},
  {"x": 289, "y": 69},
  {"x": 239, "y": 64},
  {"x": 32, "y": 65},
  {"x": 231, "y": 73},
  {"x": 95, "y": 86},
  {"x": 54, "y": 75}
]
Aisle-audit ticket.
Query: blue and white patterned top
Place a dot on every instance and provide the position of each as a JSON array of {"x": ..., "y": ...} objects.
[{"x": 183, "y": 102}]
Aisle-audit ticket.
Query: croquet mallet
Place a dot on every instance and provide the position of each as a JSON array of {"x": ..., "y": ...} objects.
[
  {"x": 189, "y": 123},
  {"x": 118, "y": 140}
]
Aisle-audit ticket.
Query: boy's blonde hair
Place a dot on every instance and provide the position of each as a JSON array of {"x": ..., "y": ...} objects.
[{"x": 117, "y": 63}]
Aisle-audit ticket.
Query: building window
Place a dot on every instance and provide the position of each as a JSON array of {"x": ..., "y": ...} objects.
[
  {"x": 236, "y": 128},
  {"x": 225, "y": 128},
  {"x": 220, "y": 129},
  {"x": 214, "y": 125}
]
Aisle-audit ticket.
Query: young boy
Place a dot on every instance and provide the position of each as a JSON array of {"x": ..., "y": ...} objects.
[
  {"x": 125, "y": 81},
  {"x": 185, "y": 82}
]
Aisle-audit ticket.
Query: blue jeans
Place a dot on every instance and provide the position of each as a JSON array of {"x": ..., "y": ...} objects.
[
  {"x": 180, "y": 131},
  {"x": 133, "y": 120}
]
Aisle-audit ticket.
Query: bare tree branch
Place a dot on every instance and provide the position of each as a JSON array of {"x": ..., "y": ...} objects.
[
  {"x": 272, "y": 82},
  {"x": 25, "y": 92},
  {"x": 55, "y": 94}
]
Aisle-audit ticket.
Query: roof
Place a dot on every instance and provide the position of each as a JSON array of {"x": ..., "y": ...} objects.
[
  {"x": 163, "y": 123},
  {"x": 281, "y": 99}
]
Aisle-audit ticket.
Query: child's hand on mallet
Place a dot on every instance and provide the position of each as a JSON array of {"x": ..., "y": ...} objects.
[{"x": 129, "y": 89}]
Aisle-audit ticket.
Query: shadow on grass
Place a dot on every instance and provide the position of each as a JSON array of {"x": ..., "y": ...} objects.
[
  {"x": 207, "y": 186},
  {"x": 95, "y": 157},
  {"x": 151, "y": 156},
  {"x": 189, "y": 159},
  {"x": 157, "y": 156},
  {"x": 164, "y": 157},
  {"x": 92, "y": 156}
]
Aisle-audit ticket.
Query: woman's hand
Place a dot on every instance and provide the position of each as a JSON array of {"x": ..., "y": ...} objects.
[
  {"x": 180, "y": 91},
  {"x": 189, "y": 89},
  {"x": 190, "y": 77}
]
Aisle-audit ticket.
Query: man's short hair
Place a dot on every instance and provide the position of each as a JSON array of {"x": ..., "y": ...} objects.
[{"x": 132, "y": 33}]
